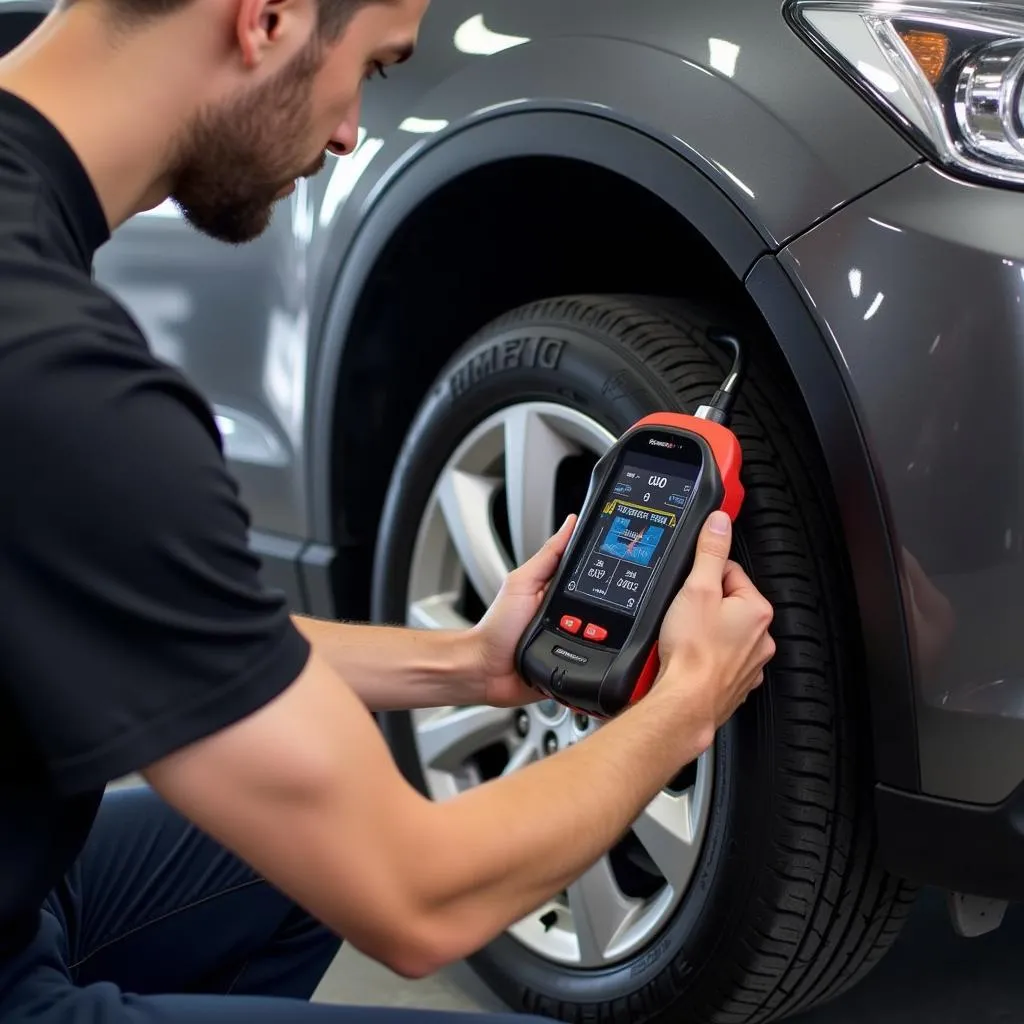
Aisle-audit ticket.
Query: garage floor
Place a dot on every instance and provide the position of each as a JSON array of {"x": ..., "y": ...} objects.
[{"x": 930, "y": 977}]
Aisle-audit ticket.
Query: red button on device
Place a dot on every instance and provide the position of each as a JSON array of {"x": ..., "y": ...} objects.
[
  {"x": 570, "y": 624},
  {"x": 596, "y": 633}
]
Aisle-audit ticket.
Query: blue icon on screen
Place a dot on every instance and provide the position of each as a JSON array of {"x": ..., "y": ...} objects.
[{"x": 632, "y": 541}]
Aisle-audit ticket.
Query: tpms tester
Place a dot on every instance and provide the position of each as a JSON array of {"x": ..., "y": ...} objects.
[{"x": 593, "y": 644}]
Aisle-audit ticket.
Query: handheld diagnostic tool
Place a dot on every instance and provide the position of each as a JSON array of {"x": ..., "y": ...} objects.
[{"x": 593, "y": 644}]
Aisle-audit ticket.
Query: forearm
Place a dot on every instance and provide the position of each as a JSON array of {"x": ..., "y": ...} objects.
[
  {"x": 306, "y": 792},
  {"x": 394, "y": 668},
  {"x": 501, "y": 850}
]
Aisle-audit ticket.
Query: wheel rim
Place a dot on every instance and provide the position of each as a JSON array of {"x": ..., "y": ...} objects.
[{"x": 498, "y": 498}]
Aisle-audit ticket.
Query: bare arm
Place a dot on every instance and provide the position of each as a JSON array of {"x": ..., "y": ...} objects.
[
  {"x": 391, "y": 667},
  {"x": 306, "y": 791}
]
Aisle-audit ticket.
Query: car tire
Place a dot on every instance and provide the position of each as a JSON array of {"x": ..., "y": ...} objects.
[{"x": 787, "y": 905}]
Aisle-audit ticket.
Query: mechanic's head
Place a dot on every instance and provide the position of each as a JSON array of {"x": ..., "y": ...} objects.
[{"x": 286, "y": 84}]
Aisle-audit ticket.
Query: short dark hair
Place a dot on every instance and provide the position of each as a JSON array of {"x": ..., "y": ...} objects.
[{"x": 333, "y": 16}]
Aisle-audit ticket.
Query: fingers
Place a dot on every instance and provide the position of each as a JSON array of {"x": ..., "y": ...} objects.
[
  {"x": 561, "y": 538},
  {"x": 734, "y": 579},
  {"x": 764, "y": 654},
  {"x": 537, "y": 571},
  {"x": 712, "y": 553},
  {"x": 737, "y": 584}
]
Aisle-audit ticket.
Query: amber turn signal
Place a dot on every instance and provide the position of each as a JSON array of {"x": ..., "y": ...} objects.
[{"x": 929, "y": 49}]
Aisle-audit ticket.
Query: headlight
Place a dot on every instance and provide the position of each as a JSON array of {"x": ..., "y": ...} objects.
[{"x": 949, "y": 72}]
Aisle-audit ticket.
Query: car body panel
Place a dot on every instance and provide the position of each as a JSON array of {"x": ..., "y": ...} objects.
[
  {"x": 519, "y": 133},
  {"x": 682, "y": 187},
  {"x": 722, "y": 111},
  {"x": 935, "y": 358},
  {"x": 863, "y": 516},
  {"x": 705, "y": 82}
]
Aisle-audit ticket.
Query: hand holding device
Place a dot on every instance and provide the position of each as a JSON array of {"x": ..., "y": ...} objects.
[
  {"x": 714, "y": 640},
  {"x": 497, "y": 633},
  {"x": 593, "y": 642}
]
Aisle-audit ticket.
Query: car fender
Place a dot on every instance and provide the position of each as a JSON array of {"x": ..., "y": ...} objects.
[
  {"x": 730, "y": 225},
  {"x": 742, "y": 176},
  {"x": 785, "y": 162},
  {"x": 768, "y": 181},
  {"x": 512, "y": 130}
]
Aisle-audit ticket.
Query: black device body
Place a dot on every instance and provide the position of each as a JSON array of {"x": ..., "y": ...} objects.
[{"x": 592, "y": 644}]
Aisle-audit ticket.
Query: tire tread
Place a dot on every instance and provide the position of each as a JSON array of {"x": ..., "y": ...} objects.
[{"x": 824, "y": 912}]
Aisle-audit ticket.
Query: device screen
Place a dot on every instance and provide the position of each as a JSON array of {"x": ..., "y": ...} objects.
[{"x": 640, "y": 510}]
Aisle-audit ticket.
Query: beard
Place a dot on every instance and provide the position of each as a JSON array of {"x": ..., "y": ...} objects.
[{"x": 235, "y": 160}]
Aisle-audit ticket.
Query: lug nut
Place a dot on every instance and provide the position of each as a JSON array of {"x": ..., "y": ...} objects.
[
  {"x": 582, "y": 721},
  {"x": 522, "y": 723},
  {"x": 550, "y": 743}
]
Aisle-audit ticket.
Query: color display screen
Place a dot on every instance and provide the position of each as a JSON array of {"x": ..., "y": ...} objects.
[{"x": 642, "y": 508}]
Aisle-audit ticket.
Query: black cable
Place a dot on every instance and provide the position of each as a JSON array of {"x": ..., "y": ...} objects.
[{"x": 720, "y": 406}]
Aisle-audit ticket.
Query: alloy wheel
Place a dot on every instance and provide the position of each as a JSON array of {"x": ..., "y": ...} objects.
[{"x": 499, "y": 497}]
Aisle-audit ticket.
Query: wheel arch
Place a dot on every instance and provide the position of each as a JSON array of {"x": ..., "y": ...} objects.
[
  {"x": 362, "y": 318},
  {"x": 589, "y": 139}
]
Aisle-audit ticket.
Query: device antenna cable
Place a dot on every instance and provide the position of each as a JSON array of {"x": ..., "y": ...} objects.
[{"x": 719, "y": 409}]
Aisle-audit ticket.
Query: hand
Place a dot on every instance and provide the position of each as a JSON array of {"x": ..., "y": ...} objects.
[
  {"x": 498, "y": 632},
  {"x": 714, "y": 640}
]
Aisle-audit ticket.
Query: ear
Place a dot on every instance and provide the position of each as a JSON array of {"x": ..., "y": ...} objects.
[{"x": 262, "y": 24}]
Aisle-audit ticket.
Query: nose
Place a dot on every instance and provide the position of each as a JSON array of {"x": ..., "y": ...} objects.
[{"x": 346, "y": 135}]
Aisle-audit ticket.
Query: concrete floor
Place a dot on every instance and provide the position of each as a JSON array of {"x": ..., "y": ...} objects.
[
  {"x": 929, "y": 977},
  {"x": 357, "y": 981}
]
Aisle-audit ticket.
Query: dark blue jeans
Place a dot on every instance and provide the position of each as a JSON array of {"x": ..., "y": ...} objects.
[{"x": 157, "y": 924}]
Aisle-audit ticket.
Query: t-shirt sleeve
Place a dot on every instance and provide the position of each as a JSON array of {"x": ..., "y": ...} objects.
[{"x": 133, "y": 618}]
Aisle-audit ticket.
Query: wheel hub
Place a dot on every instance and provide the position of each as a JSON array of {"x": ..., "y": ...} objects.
[
  {"x": 551, "y": 712},
  {"x": 498, "y": 499}
]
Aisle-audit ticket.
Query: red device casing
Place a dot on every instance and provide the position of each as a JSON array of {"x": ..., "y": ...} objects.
[
  {"x": 612, "y": 663},
  {"x": 728, "y": 455}
]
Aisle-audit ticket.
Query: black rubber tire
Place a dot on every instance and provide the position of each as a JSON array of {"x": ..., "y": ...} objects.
[{"x": 789, "y": 906}]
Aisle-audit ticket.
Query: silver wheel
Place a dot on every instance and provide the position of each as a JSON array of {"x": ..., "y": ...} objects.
[{"x": 497, "y": 500}]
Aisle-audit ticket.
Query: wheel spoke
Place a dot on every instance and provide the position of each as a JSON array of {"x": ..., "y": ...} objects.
[
  {"x": 437, "y": 612},
  {"x": 526, "y": 753},
  {"x": 664, "y": 829},
  {"x": 600, "y": 911},
  {"x": 449, "y": 737},
  {"x": 533, "y": 452},
  {"x": 466, "y": 505},
  {"x": 458, "y": 542}
]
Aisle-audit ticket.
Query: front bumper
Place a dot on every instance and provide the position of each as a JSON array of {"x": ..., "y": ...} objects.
[
  {"x": 919, "y": 285},
  {"x": 970, "y": 848}
]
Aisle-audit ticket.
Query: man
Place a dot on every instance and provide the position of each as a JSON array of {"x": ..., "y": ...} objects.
[{"x": 136, "y": 635}]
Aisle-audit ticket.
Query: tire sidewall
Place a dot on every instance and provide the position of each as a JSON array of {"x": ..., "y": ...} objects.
[
  {"x": 517, "y": 363},
  {"x": 535, "y": 361}
]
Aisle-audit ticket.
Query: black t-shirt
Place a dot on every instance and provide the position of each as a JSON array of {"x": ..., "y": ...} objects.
[{"x": 133, "y": 620}]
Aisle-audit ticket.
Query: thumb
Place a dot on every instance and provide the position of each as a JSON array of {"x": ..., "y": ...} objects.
[
  {"x": 712, "y": 554},
  {"x": 536, "y": 571}
]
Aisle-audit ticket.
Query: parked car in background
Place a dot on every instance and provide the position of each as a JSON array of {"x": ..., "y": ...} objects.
[{"x": 416, "y": 367}]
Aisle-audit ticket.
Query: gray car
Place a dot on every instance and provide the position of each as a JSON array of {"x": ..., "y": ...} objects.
[{"x": 416, "y": 367}]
